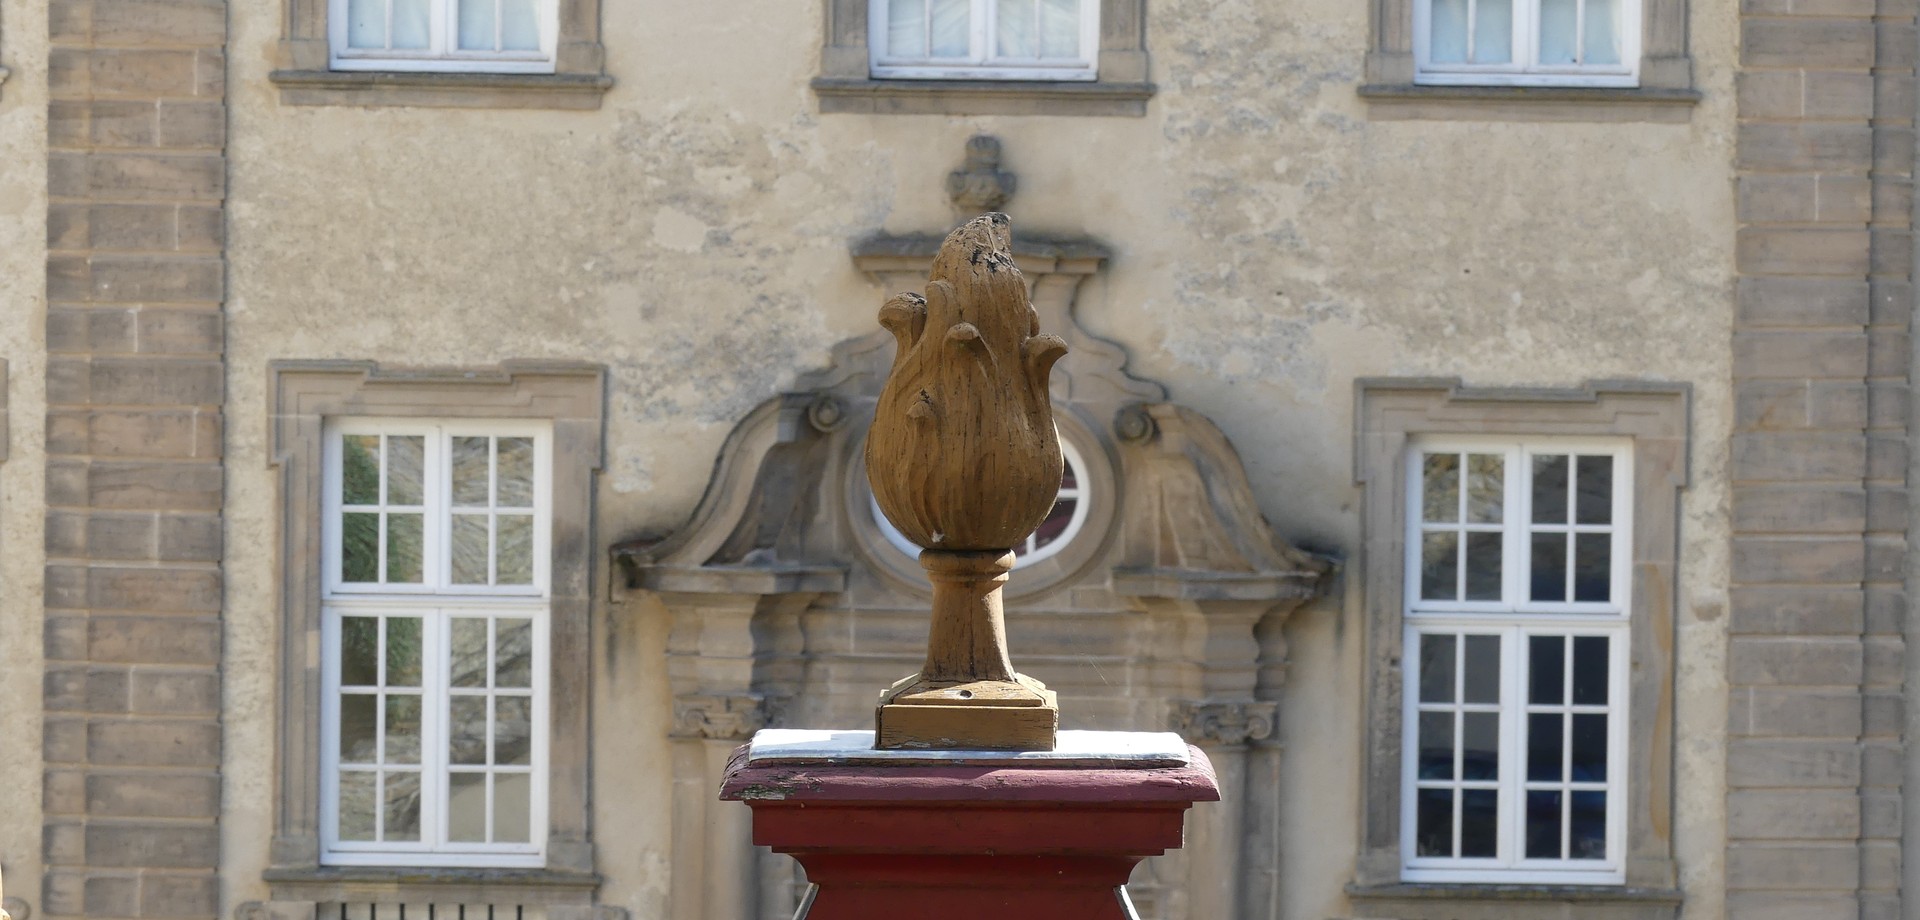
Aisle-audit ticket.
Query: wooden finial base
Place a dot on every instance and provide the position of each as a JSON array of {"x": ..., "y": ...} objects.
[{"x": 967, "y": 695}]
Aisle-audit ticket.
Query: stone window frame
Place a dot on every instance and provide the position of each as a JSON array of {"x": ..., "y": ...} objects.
[
  {"x": 1121, "y": 86},
  {"x": 303, "y": 396},
  {"x": 303, "y": 70},
  {"x": 1390, "y": 413},
  {"x": 1665, "y": 92}
]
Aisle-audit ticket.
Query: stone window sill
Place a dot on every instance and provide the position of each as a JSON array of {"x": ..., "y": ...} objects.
[
  {"x": 442, "y": 90},
  {"x": 1500, "y": 902},
  {"x": 383, "y": 883},
  {"x": 1398, "y": 102},
  {"x": 981, "y": 97}
]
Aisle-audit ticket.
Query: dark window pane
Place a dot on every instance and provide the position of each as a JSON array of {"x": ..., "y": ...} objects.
[
  {"x": 356, "y": 804},
  {"x": 1433, "y": 835},
  {"x": 359, "y": 728},
  {"x": 470, "y": 461},
  {"x": 406, "y": 468},
  {"x": 1483, "y": 566},
  {"x": 515, "y": 474},
  {"x": 1589, "y": 830},
  {"x": 403, "y": 730},
  {"x": 1549, "y": 567},
  {"x": 512, "y": 807},
  {"x": 1543, "y": 825},
  {"x": 513, "y": 652},
  {"x": 359, "y": 546},
  {"x": 467, "y": 730},
  {"x": 360, "y": 469},
  {"x": 1440, "y": 566},
  {"x": 403, "y": 651},
  {"x": 512, "y": 730},
  {"x": 1440, "y": 488},
  {"x": 1594, "y": 479},
  {"x": 1546, "y": 669},
  {"x": 1549, "y": 489},
  {"x": 1436, "y": 669},
  {"x": 1593, "y": 567},
  {"x": 1483, "y": 669},
  {"x": 405, "y": 548},
  {"x": 1436, "y": 745},
  {"x": 467, "y": 808},
  {"x": 1544, "y": 747},
  {"x": 1486, "y": 490},
  {"x": 469, "y": 553},
  {"x": 1590, "y": 670},
  {"x": 1480, "y": 822},
  {"x": 468, "y": 652},
  {"x": 403, "y": 807},
  {"x": 1589, "y": 747},
  {"x": 1480, "y": 746},
  {"x": 359, "y": 651},
  {"x": 1055, "y": 524}
]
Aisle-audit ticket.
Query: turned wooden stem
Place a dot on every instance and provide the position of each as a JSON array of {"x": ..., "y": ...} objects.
[{"x": 968, "y": 638}]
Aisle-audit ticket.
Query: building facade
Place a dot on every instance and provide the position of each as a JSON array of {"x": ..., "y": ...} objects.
[{"x": 433, "y": 434}]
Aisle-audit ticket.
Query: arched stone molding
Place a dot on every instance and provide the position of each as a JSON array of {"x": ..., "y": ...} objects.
[{"x": 789, "y": 606}]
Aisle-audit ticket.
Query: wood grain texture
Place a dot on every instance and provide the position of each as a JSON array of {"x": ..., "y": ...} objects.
[
  {"x": 962, "y": 454},
  {"x": 963, "y": 458}
]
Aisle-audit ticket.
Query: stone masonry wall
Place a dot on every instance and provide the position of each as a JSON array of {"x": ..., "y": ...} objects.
[
  {"x": 136, "y": 177},
  {"x": 1815, "y": 664}
]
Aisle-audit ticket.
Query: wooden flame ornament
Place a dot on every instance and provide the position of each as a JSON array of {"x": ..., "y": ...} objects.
[{"x": 964, "y": 460}]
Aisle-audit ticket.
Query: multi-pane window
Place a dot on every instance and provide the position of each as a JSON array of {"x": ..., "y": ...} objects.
[
  {"x": 1516, "y": 648},
  {"x": 434, "y": 644},
  {"x": 489, "y": 36},
  {"x": 1527, "y": 42},
  {"x": 984, "y": 39}
]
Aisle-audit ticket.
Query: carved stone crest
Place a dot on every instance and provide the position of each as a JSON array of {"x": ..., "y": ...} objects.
[
  {"x": 723, "y": 718},
  {"x": 1209, "y": 723},
  {"x": 979, "y": 185}
]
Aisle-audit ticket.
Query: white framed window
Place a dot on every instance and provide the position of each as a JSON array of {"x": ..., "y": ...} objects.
[
  {"x": 1527, "y": 42},
  {"x": 480, "y": 36},
  {"x": 984, "y": 39},
  {"x": 434, "y": 643},
  {"x": 1061, "y": 525},
  {"x": 1516, "y": 647}
]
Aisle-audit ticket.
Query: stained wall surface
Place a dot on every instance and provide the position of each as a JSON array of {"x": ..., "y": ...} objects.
[
  {"x": 23, "y": 208},
  {"x": 1271, "y": 244}
]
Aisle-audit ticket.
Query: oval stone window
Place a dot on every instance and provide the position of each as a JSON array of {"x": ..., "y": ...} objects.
[{"x": 1062, "y": 524}]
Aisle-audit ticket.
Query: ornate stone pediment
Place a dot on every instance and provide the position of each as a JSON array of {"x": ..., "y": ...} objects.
[{"x": 1172, "y": 513}]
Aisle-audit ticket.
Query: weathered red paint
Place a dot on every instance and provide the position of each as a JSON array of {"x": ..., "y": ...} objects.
[{"x": 967, "y": 843}]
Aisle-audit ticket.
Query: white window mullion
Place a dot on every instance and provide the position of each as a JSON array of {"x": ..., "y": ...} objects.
[
  {"x": 1618, "y": 712},
  {"x": 433, "y": 739},
  {"x": 1512, "y": 753},
  {"x": 981, "y": 27}
]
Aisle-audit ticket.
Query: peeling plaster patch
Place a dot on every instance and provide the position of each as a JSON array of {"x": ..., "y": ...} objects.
[
  {"x": 711, "y": 372},
  {"x": 678, "y": 231}
]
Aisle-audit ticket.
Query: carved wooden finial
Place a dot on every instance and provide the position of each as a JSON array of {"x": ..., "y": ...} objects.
[{"x": 964, "y": 460}]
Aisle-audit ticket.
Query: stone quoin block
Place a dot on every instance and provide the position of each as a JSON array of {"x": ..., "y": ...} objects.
[
  {"x": 1806, "y": 43},
  {"x": 1804, "y": 147},
  {"x": 163, "y": 846},
  {"x": 154, "y": 742}
]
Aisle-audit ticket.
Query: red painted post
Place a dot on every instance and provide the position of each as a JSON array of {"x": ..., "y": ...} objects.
[{"x": 887, "y": 841}]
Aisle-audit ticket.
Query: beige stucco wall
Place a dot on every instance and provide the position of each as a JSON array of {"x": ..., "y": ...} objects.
[
  {"x": 1271, "y": 244},
  {"x": 23, "y": 290}
]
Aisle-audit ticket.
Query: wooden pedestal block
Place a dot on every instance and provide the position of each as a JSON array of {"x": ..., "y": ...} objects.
[{"x": 970, "y": 835}]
